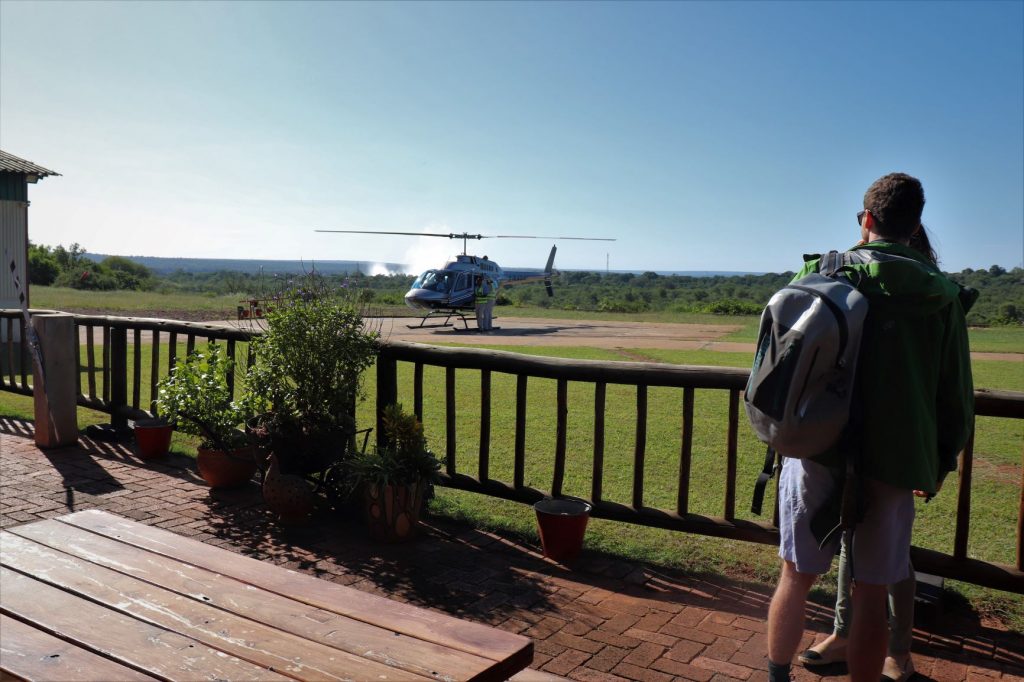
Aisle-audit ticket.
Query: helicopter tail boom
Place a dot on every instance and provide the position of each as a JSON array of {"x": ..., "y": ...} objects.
[
  {"x": 549, "y": 271},
  {"x": 510, "y": 277}
]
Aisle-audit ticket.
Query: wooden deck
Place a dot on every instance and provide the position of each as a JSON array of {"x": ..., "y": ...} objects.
[{"x": 93, "y": 596}]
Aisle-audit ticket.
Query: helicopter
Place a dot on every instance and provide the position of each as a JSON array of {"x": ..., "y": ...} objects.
[{"x": 449, "y": 291}]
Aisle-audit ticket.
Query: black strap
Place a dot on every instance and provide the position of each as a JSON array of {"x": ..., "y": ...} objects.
[
  {"x": 851, "y": 445},
  {"x": 766, "y": 475},
  {"x": 830, "y": 263}
]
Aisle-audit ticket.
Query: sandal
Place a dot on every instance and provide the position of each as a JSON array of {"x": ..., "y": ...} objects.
[
  {"x": 825, "y": 653},
  {"x": 892, "y": 671}
]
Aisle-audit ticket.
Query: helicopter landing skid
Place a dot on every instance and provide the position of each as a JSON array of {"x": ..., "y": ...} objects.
[{"x": 446, "y": 314}]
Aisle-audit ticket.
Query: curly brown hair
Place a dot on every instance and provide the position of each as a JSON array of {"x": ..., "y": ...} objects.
[{"x": 896, "y": 201}]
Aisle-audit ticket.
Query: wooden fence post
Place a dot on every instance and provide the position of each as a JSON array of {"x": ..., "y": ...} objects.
[
  {"x": 118, "y": 377},
  {"x": 56, "y": 405},
  {"x": 387, "y": 390}
]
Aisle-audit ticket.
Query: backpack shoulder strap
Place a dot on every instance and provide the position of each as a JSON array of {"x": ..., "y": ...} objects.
[
  {"x": 831, "y": 263},
  {"x": 771, "y": 466},
  {"x": 834, "y": 264}
]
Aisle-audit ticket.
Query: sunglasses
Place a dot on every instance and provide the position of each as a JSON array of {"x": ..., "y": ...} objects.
[{"x": 860, "y": 218}]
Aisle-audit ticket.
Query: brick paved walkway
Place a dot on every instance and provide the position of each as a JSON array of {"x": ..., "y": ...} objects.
[{"x": 608, "y": 620}]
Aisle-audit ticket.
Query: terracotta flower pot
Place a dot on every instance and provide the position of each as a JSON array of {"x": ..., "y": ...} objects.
[
  {"x": 152, "y": 438},
  {"x": 393, "y": 511},
  {"x": 225, "y": 470},
  {"x": 562, "y": 523}
]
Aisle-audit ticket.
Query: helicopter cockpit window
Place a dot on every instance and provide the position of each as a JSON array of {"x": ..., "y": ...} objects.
[{"x": 433, "y": 280}]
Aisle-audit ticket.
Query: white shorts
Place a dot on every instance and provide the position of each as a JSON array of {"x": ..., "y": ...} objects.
[{"x": 881, "y": 542}]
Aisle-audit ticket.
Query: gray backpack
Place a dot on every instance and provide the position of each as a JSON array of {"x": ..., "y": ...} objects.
[{"x": 799, "y": 391}]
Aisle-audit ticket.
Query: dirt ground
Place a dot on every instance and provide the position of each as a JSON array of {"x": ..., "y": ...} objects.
[{"x": 526, "y": 331}]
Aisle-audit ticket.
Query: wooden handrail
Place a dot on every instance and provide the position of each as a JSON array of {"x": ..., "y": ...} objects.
[{"x": 120, "y": 394}]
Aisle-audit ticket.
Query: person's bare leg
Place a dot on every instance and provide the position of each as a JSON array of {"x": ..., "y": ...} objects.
[
  {"x": 869, "y": 633},
  {"x": 833, "y": 648},
  {"x": 786, "y": 614}
]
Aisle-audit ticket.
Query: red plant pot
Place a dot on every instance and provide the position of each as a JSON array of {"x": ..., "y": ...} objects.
[
  {"x": 152, "y": 440},
  {"x": 226, "y": 469},
  {"x": 562, "y": 523}
]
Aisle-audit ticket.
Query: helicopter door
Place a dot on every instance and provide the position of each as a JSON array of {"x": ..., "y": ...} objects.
[{"x": 462, "y": 292}]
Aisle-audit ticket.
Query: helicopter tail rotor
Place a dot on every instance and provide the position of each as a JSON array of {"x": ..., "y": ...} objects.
[{"x": 549, "y": 271}]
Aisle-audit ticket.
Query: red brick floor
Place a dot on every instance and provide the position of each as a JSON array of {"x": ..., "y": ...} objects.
[{"x": 610, "y": 619}]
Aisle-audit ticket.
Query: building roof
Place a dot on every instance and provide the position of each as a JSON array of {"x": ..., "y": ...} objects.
[{"x": 9, "y": 163}]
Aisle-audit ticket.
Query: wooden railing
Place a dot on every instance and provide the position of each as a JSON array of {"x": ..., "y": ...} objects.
[
  {"x": 108, "y": 358},
  {"x": 111, "y": 388},
  {"x": 642, "y": 376}
]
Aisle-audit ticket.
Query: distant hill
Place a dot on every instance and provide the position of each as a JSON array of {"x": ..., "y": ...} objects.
[{"x": 165, "y": 266}]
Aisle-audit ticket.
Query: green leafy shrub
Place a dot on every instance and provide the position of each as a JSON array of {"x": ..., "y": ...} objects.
[
  {"x": 42, "y": 265},
  {"x": 197, "y": 398},
  {"x": 307, "y": 373},
  {"x": 732, "y": 307},
  {"x": 405, "y": 459}
]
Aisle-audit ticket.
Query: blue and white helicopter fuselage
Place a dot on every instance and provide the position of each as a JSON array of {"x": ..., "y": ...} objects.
[{"x": 453, "y": 287}]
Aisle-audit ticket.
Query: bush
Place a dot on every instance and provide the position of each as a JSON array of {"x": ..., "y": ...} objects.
[
  {"x": 307, "y": 374},
  {"x": 405, "y": 459},
  {"x": 197, "y": 398},
  {"x": 732, "y": 307},
  {"x": 42, "y": 265},
  {"x": 128, "y": 274},
  {"x": 92, "y": 278}
]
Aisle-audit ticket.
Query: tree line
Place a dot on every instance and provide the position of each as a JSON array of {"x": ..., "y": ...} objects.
[{"x": 1001, "y": 301}]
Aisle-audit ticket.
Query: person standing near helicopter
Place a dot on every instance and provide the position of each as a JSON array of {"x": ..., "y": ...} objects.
[
  {"x": 491, "y": 289},
  {"x": 481, "y": 297}
]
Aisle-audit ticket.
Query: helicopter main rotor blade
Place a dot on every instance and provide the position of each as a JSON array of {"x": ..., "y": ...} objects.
[
  {"x": 411, "y": 234},
  {"x": 466, "y": 235},
  {"x": 521, "y": 236}
]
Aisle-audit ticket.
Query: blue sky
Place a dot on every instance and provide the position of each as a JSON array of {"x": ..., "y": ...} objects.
[{"x": 702, "y": 136}]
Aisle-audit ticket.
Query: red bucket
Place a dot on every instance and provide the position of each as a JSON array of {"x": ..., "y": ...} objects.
[
  {"x": 562, "y": 523},
  {"x": 152, "y": 438}
]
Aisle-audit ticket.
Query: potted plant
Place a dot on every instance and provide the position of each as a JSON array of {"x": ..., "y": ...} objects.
[
  {"x": 396, "y": 477},
  {"x": 152, "y": 437},
  {"x": 197, "y": 397},
  {"x": 304, "y": 382}
]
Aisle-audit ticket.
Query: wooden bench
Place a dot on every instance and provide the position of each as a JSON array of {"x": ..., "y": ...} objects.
[{"x": 92, "y": 596}]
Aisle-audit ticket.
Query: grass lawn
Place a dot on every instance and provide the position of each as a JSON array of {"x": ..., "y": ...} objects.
[
  {"x": 996, "y": 488},
  {"x": 997, "y": 339},
  {"x": 128, "y": 303}
]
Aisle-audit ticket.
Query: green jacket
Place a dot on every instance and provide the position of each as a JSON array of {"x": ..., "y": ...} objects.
[
  {"x": 917, "y": 393},
  {"x": 484, "y": 292}
]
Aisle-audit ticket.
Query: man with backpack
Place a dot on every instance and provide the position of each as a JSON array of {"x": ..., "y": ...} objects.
[{"x": 911, "y": 415}]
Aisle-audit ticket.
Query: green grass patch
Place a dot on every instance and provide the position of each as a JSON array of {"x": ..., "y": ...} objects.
[
  {"x": 129, "y": 302},
  {"x": 997, "y": 339}
]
